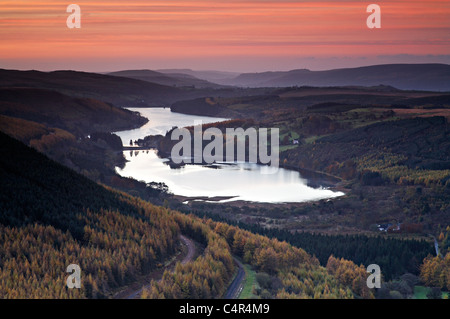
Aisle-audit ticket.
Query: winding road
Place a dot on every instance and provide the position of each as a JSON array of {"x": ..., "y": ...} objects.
[
  {"x": 158, "y": 274},
  {"x": 191, "y": 249},
  {"x": 235, "y": 287},
  {"x": 233, "y": 291}
]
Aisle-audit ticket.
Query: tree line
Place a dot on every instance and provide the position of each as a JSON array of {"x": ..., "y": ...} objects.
[{"x": 394, "y": 256}]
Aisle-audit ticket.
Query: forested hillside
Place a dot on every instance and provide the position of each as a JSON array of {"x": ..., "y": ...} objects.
[
  {"x": 386, "y": 149},
  {"x": 52, "y": 217},
  {"x": 396, "y": 256},
  {"x": 72, "y": 131},
  {"x": 290, "y": 272},
  {"x": 79, "y": 116},
  {"x": 406, "y": 151}
]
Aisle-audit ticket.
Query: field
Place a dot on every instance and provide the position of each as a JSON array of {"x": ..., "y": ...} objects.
[
  {"x": 250, "y": 283},
  {"x": 420, "y": 292}
]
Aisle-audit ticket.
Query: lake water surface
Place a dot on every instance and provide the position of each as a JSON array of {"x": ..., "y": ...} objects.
[{"x": 243, "y": 181}]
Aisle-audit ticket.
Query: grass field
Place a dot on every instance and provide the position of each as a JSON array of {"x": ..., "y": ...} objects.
[
  {"x": 420, "y": 292},
  {"x": 249, "y": 284}
]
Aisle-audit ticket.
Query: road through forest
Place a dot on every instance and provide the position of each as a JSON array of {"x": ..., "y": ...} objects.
[
  {"x": 157, "y": 275},
  {"x": 236, "y": 286}
]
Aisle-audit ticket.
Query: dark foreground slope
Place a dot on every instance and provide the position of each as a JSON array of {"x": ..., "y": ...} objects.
[{"x": 51, "y": 217}]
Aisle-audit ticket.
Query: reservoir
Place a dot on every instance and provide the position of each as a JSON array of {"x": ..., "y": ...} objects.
[{"x": 241, "y": 181}]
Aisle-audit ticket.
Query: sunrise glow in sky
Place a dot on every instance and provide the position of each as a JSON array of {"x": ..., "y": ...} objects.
[{"x": 234, "y": 35}]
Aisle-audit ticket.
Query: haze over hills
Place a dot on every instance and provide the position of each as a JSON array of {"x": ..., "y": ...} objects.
[
  {"x": 209, "y": 75},
  {"x": 118, "y": 90},
  {"x": 435, "y": 77},
  {"x": 170, "y": 79},
  {"x": 144, "y": 88}
]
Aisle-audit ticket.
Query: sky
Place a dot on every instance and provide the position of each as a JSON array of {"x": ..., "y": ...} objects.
[{"x": 227, "y": 35}]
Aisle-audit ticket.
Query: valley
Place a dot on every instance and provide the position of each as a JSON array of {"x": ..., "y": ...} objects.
[{"x": 372, "y": 156}]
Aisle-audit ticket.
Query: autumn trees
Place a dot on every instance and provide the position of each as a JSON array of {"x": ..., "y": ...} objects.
[
  {"x": 115, "y": 251},
  {"x": 288, "y": 271},
  {"x": 297, "y": 273},
  {"x": 435, "y": 271},
  {"x": 349, "y": 274},
  {"x": 205, "y": 277},
  {"x": 51, "y": 217}
]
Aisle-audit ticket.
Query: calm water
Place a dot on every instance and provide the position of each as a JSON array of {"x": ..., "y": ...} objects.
[{"x": 245, "y": 181}]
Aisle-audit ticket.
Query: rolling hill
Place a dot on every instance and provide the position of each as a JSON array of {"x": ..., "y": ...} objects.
[
  {"x": 209, "y": 75},
  {"x": 79, "y": 116},
  {"x": 119, "y": 91},
  {"x": 170, "y": 79},
  {"x": 435, "y": 77}
]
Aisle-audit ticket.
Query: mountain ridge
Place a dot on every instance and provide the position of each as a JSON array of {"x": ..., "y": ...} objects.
[
  {"x": 433, "y": 76},
  {"x": 169, "y": 79}
]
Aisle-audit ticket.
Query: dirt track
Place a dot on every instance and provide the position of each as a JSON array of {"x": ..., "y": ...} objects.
[
  {"x": 191, "y": 249},
  {"x": 132, "y": 292}
]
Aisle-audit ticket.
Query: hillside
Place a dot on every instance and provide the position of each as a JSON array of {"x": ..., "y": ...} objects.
[
  {"x": 118, "y": 90},
  {"x": 402, "y": 76},
  {"x": 112, "y": 89},
  {"x": 404, "y": 151},
  {"x": 203, "y": 107},
  {"x": 52, "y": 217},
  {"x": 72, "y": 131},
  {"x": 80, "y": 116},
  {"x": 277, "y": 101},
  {"x": 386, "y": 149}
]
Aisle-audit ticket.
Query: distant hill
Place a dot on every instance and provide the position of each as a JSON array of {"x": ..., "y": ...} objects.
[
  {"x": 219, "y": 77},
  {"x": 118, "y": 90},
  {"x": 170, "y": 79},
  {"x": 79, "y": 116},
  {"x": 434, "y": 77},
  {"x": 323, "y": 99}
]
